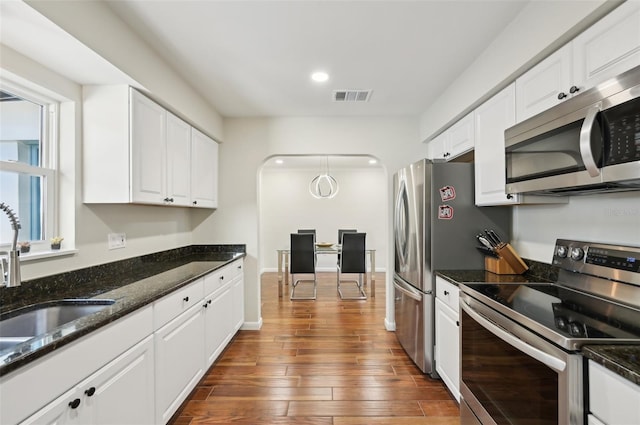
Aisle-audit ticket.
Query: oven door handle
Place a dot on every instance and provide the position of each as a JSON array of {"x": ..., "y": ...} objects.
[{"x": 552, "y": 362}]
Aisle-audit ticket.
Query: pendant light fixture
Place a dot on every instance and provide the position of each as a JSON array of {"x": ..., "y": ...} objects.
[{"x": 324, "y": 186}]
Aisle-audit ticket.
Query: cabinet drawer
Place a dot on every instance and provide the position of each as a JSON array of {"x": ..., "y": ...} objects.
[
  {"x": 217, "y": 279},
  {"x": 448, "y": 293},
  {"x": 172, "y": 305}
]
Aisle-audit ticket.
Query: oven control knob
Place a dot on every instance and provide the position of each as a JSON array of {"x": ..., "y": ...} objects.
[
  {"x": 575, "y": 329},
  {"x": 577, "y": 254},
  {"x": 561, "y": 251}
]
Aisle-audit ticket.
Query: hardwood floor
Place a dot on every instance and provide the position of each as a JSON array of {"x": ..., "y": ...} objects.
[{"x": 322, "y": 362}]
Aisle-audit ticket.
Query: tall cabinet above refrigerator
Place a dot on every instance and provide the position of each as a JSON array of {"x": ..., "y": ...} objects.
[{"x": 435, "y": 223}]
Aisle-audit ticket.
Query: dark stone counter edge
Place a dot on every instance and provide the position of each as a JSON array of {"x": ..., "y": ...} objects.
[
  {"x": 623, "y": 360},
  {"x": 219, "y": 255}
]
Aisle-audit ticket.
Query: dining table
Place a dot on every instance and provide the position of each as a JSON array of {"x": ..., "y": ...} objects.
[{"x": 324, "y": 249}]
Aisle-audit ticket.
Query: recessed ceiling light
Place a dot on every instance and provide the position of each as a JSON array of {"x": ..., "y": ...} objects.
[
  {"x": 373, "y": 161},
  {"x": 279, "y": 161},
  {"x": 320, "y": 76}
]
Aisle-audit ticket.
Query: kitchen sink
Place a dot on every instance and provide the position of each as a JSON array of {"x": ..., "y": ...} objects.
[{"x": 39, "y": 319}]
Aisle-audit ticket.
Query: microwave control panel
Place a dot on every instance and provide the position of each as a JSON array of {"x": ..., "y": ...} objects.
[{"x": 623, "y": 123}]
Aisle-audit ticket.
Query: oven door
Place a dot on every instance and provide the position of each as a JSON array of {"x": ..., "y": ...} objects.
[{"x": 511, "y": 376}]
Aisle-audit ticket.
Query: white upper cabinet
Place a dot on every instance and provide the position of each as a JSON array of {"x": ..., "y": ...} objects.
[
  {"x": 492, "y": 118},
  {"x": 606, "y": 49},
  {"x": 135, "y": 151},
  {"x": 148, "y": 150},
  {"x": 454, "y": 141},
  {"x": 179, "y": 163},
  {"x": 461, "y": 137},
  {"x": 436, "y": 148},
  {"x": 609, "y": 47},
  {"x": 204, "y": 170},
  {"x": 545, "y": 85}
]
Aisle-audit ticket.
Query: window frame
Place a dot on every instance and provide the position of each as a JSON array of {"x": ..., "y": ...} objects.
[{"x": 48, "y": 161}]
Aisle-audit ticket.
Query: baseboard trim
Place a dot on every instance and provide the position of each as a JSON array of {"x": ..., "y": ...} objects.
[
  {"x": 390, "y": 326},
  {"x": 252, "y": 326}
]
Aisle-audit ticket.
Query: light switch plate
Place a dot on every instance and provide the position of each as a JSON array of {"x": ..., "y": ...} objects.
[{"x": 117, "y": 240}]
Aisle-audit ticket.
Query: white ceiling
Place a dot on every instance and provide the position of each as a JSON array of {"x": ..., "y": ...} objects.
[{"x": 254, "y": 58}]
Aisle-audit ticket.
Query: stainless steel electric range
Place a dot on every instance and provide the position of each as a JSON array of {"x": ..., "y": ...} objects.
[{"x": 520, "y": 361}]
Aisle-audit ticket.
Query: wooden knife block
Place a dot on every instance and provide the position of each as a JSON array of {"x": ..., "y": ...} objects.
[{"x": 508, "y": 263}]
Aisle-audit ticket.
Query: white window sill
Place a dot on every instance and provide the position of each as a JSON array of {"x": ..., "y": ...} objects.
[{"x": 39, "y": 255}]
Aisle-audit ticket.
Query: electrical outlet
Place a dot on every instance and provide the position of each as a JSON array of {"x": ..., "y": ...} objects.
[{"x": 117, "y": 240}]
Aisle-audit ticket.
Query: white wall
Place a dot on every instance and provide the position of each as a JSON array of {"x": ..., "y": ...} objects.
[
  {"x": 249, "y": 142},
  {"x": 611, "y": 218},
  {"x": 286, "y": 206}
]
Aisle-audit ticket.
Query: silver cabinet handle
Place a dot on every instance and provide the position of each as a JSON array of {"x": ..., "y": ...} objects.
[
  {"x": 552, "y": 362},
  {"x": 585, "y": 140}
]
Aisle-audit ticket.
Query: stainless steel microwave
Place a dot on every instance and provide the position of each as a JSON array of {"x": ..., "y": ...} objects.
[{"x": 589, "y": 143}]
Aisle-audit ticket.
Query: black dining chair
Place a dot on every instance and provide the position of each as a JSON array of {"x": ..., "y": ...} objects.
[
  {"x": 340, "y": 233},
  {"x": 302, "y": 261},
  {"x": 307, "y": 231},
  {"x": 353, "y": 260}
]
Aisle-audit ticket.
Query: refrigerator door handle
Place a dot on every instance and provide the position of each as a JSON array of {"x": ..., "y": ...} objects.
[
  {"x": 400, "y": 223},
  {"x": 411, "y": 293}
]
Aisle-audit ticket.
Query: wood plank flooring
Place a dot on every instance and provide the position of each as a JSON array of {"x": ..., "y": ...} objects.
[{"x": 322, "y": 362}]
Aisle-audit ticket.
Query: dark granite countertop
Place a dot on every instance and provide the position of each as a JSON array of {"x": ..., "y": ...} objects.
[
  {"x": 621, "y": 359},
  {"x": 482, "y": 276},
  {"x": 132, "y": 284}
]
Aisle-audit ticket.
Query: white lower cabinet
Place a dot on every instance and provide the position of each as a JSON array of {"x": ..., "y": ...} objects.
[
  {"x": 189, "y": 343},
  {"x": 137, "y": 370},
  {"x": 218, "y": 326},
  {"x": 238, "y": 302},
  {"x": 447, "y": 346},
  {"x": 179, "y": 361},
  {"x": 118, "y": 393},
  {"x": 613, "y": 400}
]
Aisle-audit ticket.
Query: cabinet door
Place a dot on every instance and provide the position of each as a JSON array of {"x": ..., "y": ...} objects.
[
  {"x": 238, "y": 303},
  {"x": 612, "y": 398},
  {"x": 461, "y": 137},
  {"x": 218, "y": 322},
  {"x": 492, "y": 118},
  {"x": 179, "y": 362},
  {"x": 609, "y": 47},
  {"x": 539, "y": 88},
  {"x": 447, "y": 349},
  {"x": 437, "y": 147},
  {"x": 148, "y": 150},
  {"x": 66, "y": 409},
  {"x": 178, "y": 161},
  {"x": 122, "y": 391},
  {"x": 204, "y": 170}
]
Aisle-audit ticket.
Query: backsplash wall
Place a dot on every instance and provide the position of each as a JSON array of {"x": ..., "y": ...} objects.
[{"x": 610, "y": 218}]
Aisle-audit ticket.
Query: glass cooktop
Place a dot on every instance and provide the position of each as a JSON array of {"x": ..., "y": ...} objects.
[{"x": 572, "y": 314}]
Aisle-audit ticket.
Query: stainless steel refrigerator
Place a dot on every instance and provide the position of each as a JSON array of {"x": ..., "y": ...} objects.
[{"x": 435, "y": 224}]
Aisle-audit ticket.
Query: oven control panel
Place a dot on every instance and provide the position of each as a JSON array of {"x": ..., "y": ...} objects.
[{"x": 602, "y": 260}]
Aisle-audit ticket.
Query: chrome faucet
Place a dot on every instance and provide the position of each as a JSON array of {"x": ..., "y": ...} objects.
[{"x": 11, "y": 260}]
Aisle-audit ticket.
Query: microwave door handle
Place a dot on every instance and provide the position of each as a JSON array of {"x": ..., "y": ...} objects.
[
  {"x": 585, "y": 140},
  {"x": 552, "y": 362}
]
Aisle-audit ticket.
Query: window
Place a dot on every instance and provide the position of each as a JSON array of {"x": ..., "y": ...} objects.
[{"x": 27, "y": 166}]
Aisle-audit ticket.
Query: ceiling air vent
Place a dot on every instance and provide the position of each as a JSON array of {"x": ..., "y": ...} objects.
[{"x": 351, "y": 95}]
